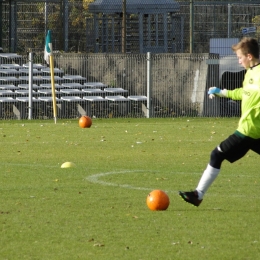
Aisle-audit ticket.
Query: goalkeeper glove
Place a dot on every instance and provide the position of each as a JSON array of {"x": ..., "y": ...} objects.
[{"x": 214, "y": 91}]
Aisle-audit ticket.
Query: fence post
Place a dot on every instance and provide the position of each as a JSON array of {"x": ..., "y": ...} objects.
[
  {"x": 191, "y": 26},
  {"x": 229, "y": 20},
  {"x": 149, "y": 85},
  {"x": 12, "y": 26},
  {"x": 30, "y": 106},
  {"x": 66, "y": 25},
  {"x": 124, "y": 27}
]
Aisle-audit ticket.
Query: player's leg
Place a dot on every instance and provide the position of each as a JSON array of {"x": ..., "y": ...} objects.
[
  {"x": 210, "y": 174},
  {"x": 231, "y": 149}
]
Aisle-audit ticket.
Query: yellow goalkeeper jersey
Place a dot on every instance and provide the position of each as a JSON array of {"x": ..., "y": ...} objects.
[{"x": 249, "y": 94}]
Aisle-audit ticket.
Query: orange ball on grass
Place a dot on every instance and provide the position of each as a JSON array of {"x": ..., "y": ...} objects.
[
  {"x": 85, "y": 122},
  {"x": 157, "y": 200}
]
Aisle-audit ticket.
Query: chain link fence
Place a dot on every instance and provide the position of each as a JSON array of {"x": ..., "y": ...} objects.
[
  {"x": 189, "y": 48},
  {"x": 105, "y": 26},
  {"x": 118, "y": 85}
]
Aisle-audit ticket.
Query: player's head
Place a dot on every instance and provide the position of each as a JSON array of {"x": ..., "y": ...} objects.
[
  {"x": 247, "y": 45},
  {"x": 247, "y": 51}
]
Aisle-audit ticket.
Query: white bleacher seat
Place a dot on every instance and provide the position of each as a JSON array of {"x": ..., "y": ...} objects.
[
  {"x": 26, "y": 78},
  {"x": 95, "y": 99},
  {"x": 71, "y": 91},
  {"x": 71, "y": 98},
  {"x": 93, "y": 91},
  {"x": 26, "y": 71},
  {"x": 7, "y": 92},
  {"x": 10, "y": 55},
  {"x": 115, "y": 90},
  {"x": 48, "y": 85},
  {"x": 74, "y": 78},
  {"x": 47, "y": 91},
  {"x": 11, "y": 66},
  {"x": 56, "y": 78},
  {"x": 26, "y": 86},
  {"x": 11, "y": 86},
  {"x": 116, "y": 98},
  {"x": 56, "y": 71},
  {"x": 41, "y": 79},
  {"x": 23, "y": 92},
  {"x": 10, "y": 79},
  {"x": 72, "y": 85},
  {"x": 8, "y": 72},
  {"x": 48, "y": 99},
  {"x": 95, "y": 85},
  {"x": 138, "y": 98},
  {"x": 35, "y": 66},
  {"x": 26, "y": 99},
  {"x": 7, "y": 99}
]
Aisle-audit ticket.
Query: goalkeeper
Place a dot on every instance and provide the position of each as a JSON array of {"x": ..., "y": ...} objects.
[{"x": 247, "y": 135}]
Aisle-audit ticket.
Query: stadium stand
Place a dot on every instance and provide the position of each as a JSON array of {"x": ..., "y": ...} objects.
[{"x": 74, "y": 95}]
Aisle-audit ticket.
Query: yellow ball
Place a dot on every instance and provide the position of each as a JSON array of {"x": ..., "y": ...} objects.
[{"x": 68, "y": 165}]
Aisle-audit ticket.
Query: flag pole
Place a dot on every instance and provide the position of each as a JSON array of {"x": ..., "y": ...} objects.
[
  {"x": 48, "y": 56},
  {"x": 53, "y": 89}
]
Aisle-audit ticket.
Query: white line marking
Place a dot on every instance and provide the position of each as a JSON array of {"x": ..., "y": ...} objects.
[
  {"x": 95, "y": 179},
  {"x": 28, "y": 165}
]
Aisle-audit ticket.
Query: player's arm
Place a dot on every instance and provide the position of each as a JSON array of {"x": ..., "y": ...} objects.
[{"x": 235, "y": 94}]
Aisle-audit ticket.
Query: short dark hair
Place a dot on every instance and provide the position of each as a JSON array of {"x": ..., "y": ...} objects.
[{"x": 247, "y": 45}]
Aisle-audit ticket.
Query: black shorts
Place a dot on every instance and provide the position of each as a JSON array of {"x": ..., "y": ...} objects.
[{"x": 235, "y": 147}]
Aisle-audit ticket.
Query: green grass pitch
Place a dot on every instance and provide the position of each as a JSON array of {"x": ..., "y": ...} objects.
[{"x": 98, "y": 210}]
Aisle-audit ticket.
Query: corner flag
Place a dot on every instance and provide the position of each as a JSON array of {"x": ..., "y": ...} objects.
[
  {"x": 48, "y": 47},
  {"x": 48, "y": 56}
]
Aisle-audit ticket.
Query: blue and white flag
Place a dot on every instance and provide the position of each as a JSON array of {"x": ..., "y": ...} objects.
[{"x": 48, "y": 47}]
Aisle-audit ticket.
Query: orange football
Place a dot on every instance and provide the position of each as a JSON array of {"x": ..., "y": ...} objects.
[
  {"x": 85, "y": 122},
  {"x": 157, "y": 200}
]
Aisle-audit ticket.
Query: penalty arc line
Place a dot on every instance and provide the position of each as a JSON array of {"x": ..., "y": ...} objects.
[{"x": 96, "y": 179}]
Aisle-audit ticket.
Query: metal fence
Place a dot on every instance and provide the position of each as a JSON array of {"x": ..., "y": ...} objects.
[
  {"x": 189, "y": 45},
  {"x": 154, "y": 27},
  {"x": 119, "y": 85}
]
